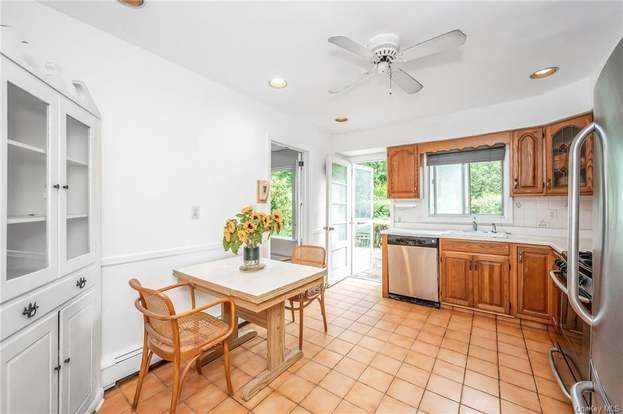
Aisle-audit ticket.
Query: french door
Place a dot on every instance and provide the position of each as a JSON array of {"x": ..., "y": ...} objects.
[
  {"x": 349, "y": 234},
  {"x": 338, "y": 219},
  {"x": 363, "y": 210}
]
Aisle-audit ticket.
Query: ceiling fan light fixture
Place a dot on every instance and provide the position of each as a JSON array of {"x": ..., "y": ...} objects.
[
  {"x": 277, "y": 83},
  {"x": 544, "y": 73},
  {"x": 341, "y": 119}
]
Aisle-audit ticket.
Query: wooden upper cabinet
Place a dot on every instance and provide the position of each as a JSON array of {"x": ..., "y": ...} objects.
[
  {"x": 491, "y": 283},
  {"x": 535, "y": 289},
  {"x": 403, "y": 165},
  {"x": 456, "y": 278},
  {"x": 558, "y": 138},
  {"x": 527, "y": 162}
]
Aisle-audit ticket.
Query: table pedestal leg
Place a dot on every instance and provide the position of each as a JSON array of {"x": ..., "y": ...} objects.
[{"x": 276, "y": 359}]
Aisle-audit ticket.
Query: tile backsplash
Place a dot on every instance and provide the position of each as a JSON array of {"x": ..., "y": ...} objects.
[{"x": 539, "y": 212}]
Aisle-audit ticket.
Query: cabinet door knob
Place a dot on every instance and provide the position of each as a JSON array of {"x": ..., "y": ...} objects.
[
  {"x": 57, "y": 186},
  {"x": 516, "y": 183},
  {"x": 66, "y": 361},
  {"x": 66, "y": 187},
  {"x": 30, "y": 310},
  {"x": 80, "y": 283}
]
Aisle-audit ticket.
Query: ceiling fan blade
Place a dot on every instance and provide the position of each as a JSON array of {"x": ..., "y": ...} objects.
[
  {"x": 350, "y": 45},
  {"x": 437, "y": 44},
  {"x": 364, "y": 77},
  {"x": 406, "y": 82}
]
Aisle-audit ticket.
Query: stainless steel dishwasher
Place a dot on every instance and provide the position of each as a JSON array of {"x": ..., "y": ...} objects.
[{"x": 413, "y": 269}]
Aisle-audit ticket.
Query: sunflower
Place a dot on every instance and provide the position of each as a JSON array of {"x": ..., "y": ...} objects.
[
  {"x": 242, "y": 236},
  {"x": 250, "y": 226},
  {"x": 266, "y": 221},
  {"x": 277, "y": 216},
  {"x": 256, "y": 216},
  {"x": 247, "y": 210},
  {"x": 227, "y": 236},
  {"x": 230, "y": 226}
]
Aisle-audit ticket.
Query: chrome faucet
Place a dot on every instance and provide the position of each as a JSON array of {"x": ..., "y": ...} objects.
[
  {"x": 494, "y": 228},
  {"x": 474, "y": 224}
]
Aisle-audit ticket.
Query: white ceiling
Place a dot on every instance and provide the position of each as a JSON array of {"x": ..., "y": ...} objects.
[{"x": 243, "y": 45}]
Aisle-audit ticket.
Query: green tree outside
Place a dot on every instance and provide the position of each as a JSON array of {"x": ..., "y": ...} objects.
[
  {"x": 281, "y": 198},
  {"x": 381, "y": 202}
]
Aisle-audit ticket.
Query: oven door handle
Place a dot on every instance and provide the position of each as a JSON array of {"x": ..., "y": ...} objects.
[
  {"x": 552, "y": 363},
  {"x": 554, "y": 276},
  {"x": 575, "y": 153}
]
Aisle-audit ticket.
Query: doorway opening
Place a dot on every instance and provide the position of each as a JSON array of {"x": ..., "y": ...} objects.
[
  {"x": 357, "y": 211},
  {"x": 286, "y": 195},
  {"x": 381, "y": 208}
]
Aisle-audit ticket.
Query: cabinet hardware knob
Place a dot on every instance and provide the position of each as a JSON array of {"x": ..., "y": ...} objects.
[
  {"x": 30, "y": 310},
  {"x": 521, "y": 257},
  {"x": 66, "y": 187},
  {"x": 516, "y": 183},
  {"x": 57, "y": 186},
  {"x": 80, "y": 283},
  {"x": 57, "y": 368},
  {"x": 66, "y": 361}
]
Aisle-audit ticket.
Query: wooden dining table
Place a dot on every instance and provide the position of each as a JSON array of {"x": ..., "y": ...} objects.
[{"x": 260, "y": 297}]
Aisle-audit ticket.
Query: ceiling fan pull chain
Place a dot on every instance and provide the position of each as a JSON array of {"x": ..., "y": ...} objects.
[{"x": 389, "y": 67}]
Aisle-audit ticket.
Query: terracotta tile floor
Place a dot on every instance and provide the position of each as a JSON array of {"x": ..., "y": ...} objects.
[{"x": 379, "y": 356}]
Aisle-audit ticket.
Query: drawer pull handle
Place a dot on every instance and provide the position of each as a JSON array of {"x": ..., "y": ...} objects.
[
  {"x": 30, "y": 310},
  {"x": 80, "y": 283}
]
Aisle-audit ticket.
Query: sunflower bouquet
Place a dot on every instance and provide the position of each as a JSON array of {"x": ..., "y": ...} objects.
[{"x": 248, "y": 228}]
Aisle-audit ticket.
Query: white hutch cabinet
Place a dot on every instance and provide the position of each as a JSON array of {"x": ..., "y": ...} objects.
[{"x": 49, "y": 242}]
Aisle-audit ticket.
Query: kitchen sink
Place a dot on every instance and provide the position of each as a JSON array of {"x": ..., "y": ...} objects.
[{"x": 480, "y": 233}]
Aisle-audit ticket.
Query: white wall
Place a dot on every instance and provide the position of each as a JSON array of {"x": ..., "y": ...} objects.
[{"x": 171, "y": 139}]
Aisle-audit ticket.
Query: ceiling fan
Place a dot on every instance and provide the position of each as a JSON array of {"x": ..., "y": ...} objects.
[{"x": 385, "y": 55}]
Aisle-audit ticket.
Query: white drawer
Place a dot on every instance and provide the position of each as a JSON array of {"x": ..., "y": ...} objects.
[{"x": 15, "y": 316}]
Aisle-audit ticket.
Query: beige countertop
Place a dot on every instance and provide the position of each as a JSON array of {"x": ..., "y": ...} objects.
[{"x": 559, "y": 244}]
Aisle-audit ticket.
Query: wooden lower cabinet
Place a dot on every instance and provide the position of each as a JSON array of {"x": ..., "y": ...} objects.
[
  {"x": 535, "y": 289},
  {"x": 516, "y": 283},
  {"x": 456, "y": 278},
  {"x": 492, "y": 283}
]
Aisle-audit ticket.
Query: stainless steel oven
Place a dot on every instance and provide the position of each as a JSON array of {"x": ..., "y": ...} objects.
[{"x": 570, "y": 356}]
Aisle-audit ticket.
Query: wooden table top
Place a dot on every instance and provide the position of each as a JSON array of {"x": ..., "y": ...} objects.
[{"x": 224, "y": 277}]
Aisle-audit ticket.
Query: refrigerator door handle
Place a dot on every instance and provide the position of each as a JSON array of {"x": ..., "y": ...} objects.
[
  {"x": 573, "y": 280},
  {"x": 577, "y": 400}
]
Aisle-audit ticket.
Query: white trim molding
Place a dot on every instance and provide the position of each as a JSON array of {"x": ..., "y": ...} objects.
[{"x": 157, "y": 254}]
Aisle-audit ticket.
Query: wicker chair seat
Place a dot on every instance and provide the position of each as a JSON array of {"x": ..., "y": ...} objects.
[{"x": 196, "y": 330}]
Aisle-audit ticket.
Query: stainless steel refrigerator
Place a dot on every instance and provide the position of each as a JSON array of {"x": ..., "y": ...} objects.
[{"x": 604, "y": 391}]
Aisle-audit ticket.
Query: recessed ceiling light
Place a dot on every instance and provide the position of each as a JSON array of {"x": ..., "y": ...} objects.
[
  {"x": 341, "y": 119},
  {"x": 544, "y": 73},
  {"x": 278, "y": 83},
  {"x": 132, "y": 3}
]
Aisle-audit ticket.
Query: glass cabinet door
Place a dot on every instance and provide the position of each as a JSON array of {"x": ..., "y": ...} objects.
[
  {"x": 77, "y": 138},
  {"x": 29, "y": 196},
  {"x": 559, "y": 137}
]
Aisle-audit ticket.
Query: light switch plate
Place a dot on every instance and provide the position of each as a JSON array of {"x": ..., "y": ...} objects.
[{"x": 195, "y": 213}]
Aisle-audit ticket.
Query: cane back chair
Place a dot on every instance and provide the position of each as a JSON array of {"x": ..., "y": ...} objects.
[
  {"x": 309, "y": 256},
  {"x": 180, "y": 337}
]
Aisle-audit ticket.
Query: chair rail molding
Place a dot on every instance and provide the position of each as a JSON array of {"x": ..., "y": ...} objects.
[{"x": 157, "y": 254}]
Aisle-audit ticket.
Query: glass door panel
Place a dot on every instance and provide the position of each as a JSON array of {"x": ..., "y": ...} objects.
[
  {"x": 338, "y": 228},
  {"x": 363, "y": 183},
  {"x": 76, "y": 199},
  {"x": 29, "y": 212}
]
